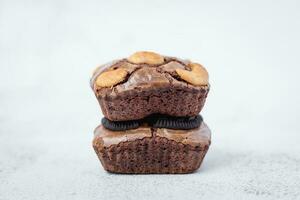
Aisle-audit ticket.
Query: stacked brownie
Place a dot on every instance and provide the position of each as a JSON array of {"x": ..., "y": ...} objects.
[{"x": 151, "y": 105}]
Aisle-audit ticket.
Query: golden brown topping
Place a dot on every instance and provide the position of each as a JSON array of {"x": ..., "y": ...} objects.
[
  {"x": 111, "y": 78},
  {"x": 146, "y": 57},
  {"x": 197, "y": 76}
]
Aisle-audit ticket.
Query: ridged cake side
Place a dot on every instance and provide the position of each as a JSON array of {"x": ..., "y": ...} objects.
[
  {"x": 150, "y": 155},
  {"x": 174, "y": 101}
]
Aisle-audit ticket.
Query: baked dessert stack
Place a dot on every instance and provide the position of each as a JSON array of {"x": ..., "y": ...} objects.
[{"x": 151, "y": 105}]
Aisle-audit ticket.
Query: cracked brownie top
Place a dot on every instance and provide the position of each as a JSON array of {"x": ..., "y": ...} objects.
[{"x": 147, "y": 70}]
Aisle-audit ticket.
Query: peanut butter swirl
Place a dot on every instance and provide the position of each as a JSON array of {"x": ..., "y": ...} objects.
[{"x": 147, "y": 70}]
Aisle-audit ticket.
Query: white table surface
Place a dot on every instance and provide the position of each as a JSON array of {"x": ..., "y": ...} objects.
[{"x": 48, "y": 112}]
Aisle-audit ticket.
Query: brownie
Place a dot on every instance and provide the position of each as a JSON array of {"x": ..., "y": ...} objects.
[
  {"x": 147, "y": 83},
  {"x": 151, "y": 150}
]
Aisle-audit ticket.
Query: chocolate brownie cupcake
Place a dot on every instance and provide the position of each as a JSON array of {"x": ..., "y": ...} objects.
[
  {"x": 151, "y": 150},
  {"x": 151, "y": 105},
  {"x": 147, "y": 83}
]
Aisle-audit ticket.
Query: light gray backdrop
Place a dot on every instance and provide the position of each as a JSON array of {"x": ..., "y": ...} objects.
[{"x": 48, "y": 50}]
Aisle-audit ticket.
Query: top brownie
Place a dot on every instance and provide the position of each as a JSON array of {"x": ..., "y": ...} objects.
[{"x": 146, "y": 83}]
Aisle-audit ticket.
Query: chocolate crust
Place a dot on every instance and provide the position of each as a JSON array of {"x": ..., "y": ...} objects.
[
  {"x": 156, "y": 151},
  {"x": 149, "y": 89}
]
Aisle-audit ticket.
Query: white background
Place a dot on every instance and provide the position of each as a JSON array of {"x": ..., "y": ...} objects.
[{"x": 48, "y": 50}]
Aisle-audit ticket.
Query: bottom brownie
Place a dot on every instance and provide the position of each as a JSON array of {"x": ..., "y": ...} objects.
[{"x": 146, "y": 150}]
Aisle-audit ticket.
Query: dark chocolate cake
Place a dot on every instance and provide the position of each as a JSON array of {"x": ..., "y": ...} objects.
[
  {"x": 148, "y": 150},
  {"x": 143, "y": 89}
]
